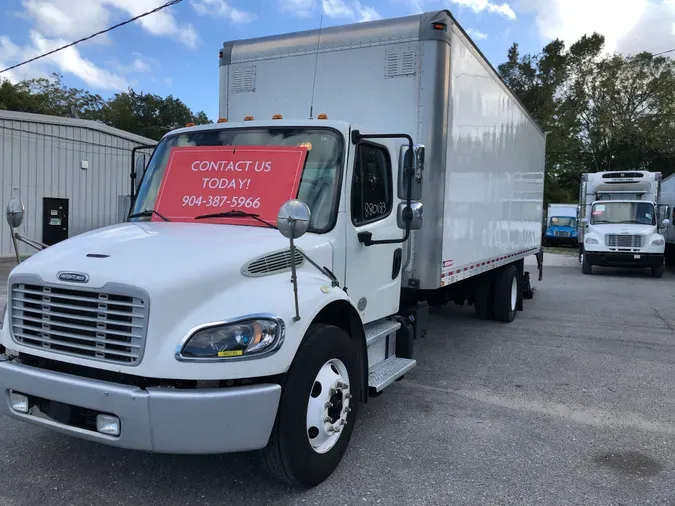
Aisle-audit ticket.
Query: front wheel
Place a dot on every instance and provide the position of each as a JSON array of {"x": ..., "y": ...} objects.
[
  {"x": 317, "y": 410},
  {"x": 657, "y": 272},
  {"x": 586, "y": 267}
]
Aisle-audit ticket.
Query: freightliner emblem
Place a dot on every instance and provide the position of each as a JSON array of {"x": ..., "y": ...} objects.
[{"x": 73, "y": 277}]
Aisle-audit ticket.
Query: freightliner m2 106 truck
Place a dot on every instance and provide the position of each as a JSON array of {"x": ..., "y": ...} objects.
[
  {"x": 561, "y": 225},
  {"x": 422, "y": 185},
  {"x": 621, "y": 221}
]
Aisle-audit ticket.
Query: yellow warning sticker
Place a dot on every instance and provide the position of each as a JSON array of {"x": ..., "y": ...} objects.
[{"x": 230, "y": 353}]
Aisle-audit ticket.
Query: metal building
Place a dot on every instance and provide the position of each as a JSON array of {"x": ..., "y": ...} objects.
[{"x": 71, "y": 174}]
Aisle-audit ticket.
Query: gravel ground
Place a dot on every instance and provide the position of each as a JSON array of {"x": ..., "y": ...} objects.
[{"x": 573, "y": 403}]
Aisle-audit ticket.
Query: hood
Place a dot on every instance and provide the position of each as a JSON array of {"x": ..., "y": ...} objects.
[{"x": 157, "y": 256}]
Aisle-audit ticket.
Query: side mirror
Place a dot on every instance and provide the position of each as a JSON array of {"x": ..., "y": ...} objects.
[
  {"x": 293, "y": 219},
  {"x": 666, "y": 222},
  {"x": 416, "y": 161},
  {"x": 414, "y": 214},
  {"x": 584, "y": 221},
  {"x": 15, "y": 213}
]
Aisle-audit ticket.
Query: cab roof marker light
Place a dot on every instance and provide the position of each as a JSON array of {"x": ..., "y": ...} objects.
[
  {"x": 249, "y": 118},
  {"x": 222, "y": 120},
  {"x": 277, "y": 116},
  {"x": 322, "y": 116},
  {"x": 190, "y": 124}
]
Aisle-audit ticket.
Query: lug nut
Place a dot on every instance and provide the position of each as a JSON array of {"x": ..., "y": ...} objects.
[
  {"x": 348, "y": 409},
  {"x": 333, "y": 391},
  {"x": 327, "y": 420},
  {"x": 331, "y": 430},
  {"x": 328, "y": 405},
  {"x": 343, "y": 422}
]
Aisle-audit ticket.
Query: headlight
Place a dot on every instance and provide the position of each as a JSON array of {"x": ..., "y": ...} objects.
[
  {"x": 591, "y": 240},
  {"x": 3, "y": 312},
  {"x": 658, "y": 242},
  {"x": 231, "y": 340}
]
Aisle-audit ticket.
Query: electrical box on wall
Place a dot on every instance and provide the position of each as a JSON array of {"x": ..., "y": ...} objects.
[{"x": 84, "y": 165}]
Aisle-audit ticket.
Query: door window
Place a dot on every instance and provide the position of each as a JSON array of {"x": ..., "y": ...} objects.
[{"x": 372, "y": 186}]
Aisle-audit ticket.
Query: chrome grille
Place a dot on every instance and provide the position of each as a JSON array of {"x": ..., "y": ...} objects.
[
  {"x": 623, "y": 240},
  {"x": 102, "y": 325},
  {"x": 561, "y": 233}
]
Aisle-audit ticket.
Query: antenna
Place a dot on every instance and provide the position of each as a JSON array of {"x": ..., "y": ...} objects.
[{"x": 316, "y": 63}]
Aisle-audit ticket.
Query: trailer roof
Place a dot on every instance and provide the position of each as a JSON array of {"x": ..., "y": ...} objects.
[
  {"x": 371, "y": 33},
  {"x": 73, "y": 122}
]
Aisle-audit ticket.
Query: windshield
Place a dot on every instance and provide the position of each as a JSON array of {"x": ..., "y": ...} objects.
[
  {"x": 320, "y": 182},
  {"x": 639, "y": 213},
  {"x": 563, "y": 221}
]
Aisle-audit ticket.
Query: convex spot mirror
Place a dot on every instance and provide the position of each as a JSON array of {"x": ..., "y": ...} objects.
[
  {"x": 293, "y": 219},
  {"x": 414, "y": 214},
  {"x": 15, "y": 213}
]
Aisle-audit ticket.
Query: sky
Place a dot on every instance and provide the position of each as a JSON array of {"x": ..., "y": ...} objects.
[{"x": 175, "y": 51}]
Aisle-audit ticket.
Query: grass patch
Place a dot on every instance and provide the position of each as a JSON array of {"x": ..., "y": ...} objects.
[{"x": 562, "y": 250}]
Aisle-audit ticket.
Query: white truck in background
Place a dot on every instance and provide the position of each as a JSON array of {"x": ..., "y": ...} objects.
[
  {"x": 621, "y": 220},
  {"x": 192, "y": 337},
  {"x": 561, "y": 225}
]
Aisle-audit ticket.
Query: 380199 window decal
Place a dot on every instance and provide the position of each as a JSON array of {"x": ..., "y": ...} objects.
[{"x": 372, "y": 186}]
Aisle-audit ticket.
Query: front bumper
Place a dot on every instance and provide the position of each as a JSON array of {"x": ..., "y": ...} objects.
[
  {"x": 615, "y": 259},
  {"x": 555, "y": 239},
  {"x": 216, "y": 420}
]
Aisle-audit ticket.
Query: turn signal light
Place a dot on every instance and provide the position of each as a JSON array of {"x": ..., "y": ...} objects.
[
  {"x": 222, "y": 120},
  {"x": 190, "y": 124},
  {"x": 322, "y": 116},
  {"x": 277, "y": 116},
  {"x": 248, "y": 118}
]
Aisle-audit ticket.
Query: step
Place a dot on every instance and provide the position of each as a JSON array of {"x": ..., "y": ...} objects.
[
  {"x": 379, "y": 330},
  {"x": 388, "y": 371}
]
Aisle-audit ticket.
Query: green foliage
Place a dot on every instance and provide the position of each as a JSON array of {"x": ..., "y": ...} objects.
[
  {"x": 601, "y": 112},
  {"x": 143, "y": 114}
]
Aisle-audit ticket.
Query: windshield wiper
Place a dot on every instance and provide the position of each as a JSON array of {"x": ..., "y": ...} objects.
[
  {"x": 235, "y": 213},
  {"x": 148, "y": 212}
]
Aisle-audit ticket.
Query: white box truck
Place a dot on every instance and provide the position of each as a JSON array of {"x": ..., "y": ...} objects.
[
  {"x": 622, "y": 220},
  {"x": 188, "y": 336},
  {"x": 561, "y": 225}
]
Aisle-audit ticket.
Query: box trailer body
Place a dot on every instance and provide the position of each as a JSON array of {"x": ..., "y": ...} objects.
[
  {"x": 561, "y": 224},
  {"x": 621, "y": 220},
  {"x": 422, "y": 184},
  {"x": 484, "y": 166},
  {"x": 668, "y": 199}
]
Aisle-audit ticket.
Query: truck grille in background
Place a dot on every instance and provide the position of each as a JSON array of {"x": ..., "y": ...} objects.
[
  {"x": 623, "y": 241},
  {"x": 561, "y": 233},
  {"x": 88, "y": 324}
]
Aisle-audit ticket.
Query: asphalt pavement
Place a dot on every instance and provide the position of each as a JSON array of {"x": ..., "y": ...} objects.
[{"x": 572, "y": 403}]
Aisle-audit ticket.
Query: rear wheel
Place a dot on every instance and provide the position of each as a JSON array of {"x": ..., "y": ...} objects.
[
  {"x": 317, "y": 409},
  {"x": 506, "y": 294}
]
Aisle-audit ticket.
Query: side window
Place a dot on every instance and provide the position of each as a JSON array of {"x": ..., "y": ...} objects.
[{"x": 372, "y": 186}]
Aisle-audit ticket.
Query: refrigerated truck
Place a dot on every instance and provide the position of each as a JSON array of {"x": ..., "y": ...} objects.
[
  {"x": 561, "y": 224},
  {"x": 423, "y": 184},
  {"x": 621, "y": 220}
]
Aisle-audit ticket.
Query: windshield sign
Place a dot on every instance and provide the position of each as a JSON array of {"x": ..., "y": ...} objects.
[
  {"x": 319, "y": 181},
  {"x": 637, "y": 213},
  {"x": 563, "y": 221},
  {"x": 255, "y": 179}
]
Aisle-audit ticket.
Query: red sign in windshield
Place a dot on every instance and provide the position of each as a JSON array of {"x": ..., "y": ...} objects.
[{"x": 203, "y": 180}]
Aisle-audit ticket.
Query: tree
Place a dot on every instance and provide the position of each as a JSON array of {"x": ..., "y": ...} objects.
[
  {"x": 602, "y": 112},
  {"x": 143, "y": 114}
]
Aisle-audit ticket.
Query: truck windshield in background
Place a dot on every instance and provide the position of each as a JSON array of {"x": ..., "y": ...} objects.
[
  {"x": 636, "y": 213},
  {"x": 563, "y": 221},
  {"x": 320, "y": 182}
]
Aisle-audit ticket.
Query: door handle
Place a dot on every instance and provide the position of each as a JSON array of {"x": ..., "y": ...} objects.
[{"x": 396, "y": 267}]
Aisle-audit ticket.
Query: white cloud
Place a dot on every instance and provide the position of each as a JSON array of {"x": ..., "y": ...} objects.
[
  {"x": 503, "y": 9},
  {"x": 345, "y": 9},
  {"x": 299, "y": 8},
  {"x": 620, "y": 21},
  {"x": 222, "y": 9},
  {"x": 476, "y": 34},
  {"x": 67, "y": 60},
  {"x": 140, "y": 64}
]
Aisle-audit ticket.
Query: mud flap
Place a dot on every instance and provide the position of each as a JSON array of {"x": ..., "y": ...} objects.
[{"x": 528, "y": 291}]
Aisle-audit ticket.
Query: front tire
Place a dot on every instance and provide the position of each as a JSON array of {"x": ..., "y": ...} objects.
[
  {"x": 317, "y": 410},
  {"x": 657, "y": 272},
  {"x": 506, "y": 293},
  {"x": 586, "y": 267}
]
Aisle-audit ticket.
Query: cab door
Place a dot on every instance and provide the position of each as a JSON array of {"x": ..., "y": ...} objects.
[{"x": 373, "y": 273}]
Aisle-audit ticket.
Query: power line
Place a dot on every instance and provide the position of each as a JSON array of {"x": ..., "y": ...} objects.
[{"x": 157, "y": 9}]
